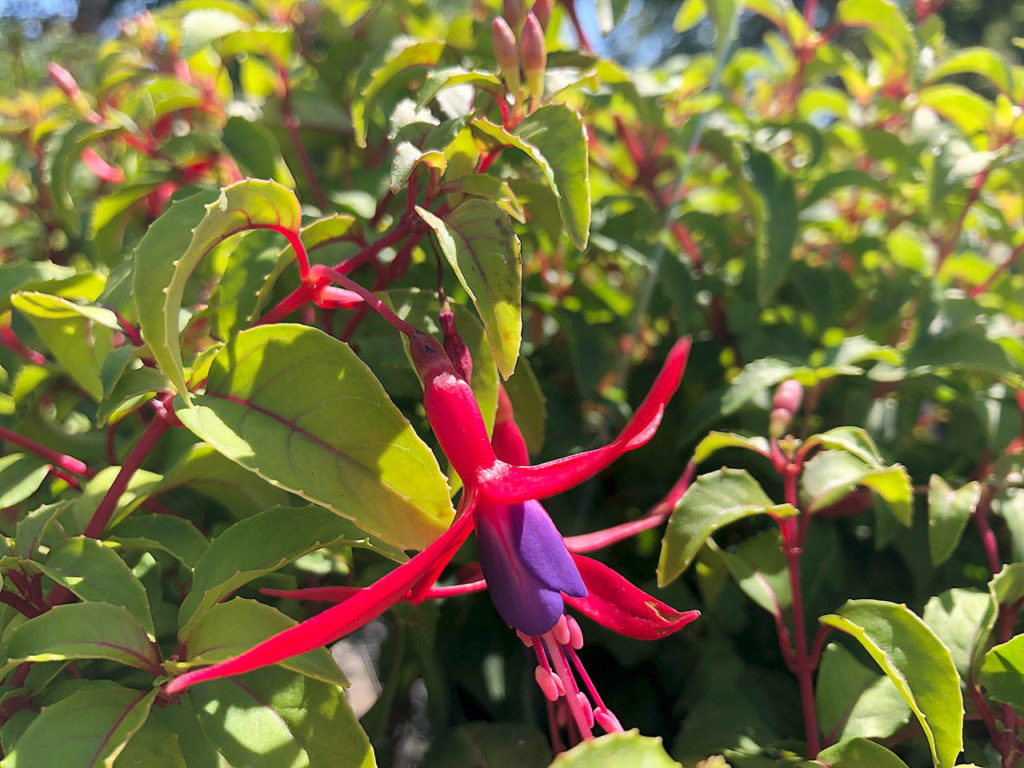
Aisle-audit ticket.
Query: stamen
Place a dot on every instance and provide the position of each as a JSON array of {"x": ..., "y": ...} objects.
[
  {"x": 525, "y": 638},
  {"x": 549, "y": 683},
  {"x": 584, "y": 704},
  {"x": 561, "y": 665},
  {"x": 561, "y": 631},
  {"x": 575, "y": 633},
  {"x": 607, "y": 720}
]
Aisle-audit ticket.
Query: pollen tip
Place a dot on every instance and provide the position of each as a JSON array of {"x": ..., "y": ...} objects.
[
  {"x": 575, "y": 633},
  {"x": 561, "y": 631},
  {"x": 549, "y": 683},
  {"x": 584, "y": 705},
  {"x": 609, "y": 722},
  {"x": 524, "y": 638}
]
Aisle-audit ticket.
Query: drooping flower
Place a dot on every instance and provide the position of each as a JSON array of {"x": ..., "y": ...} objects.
[{"x": 525, "y": 562}]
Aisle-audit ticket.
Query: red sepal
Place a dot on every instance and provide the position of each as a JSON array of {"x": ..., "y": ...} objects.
[
  {"x": 100, "y": 168},
  {"x": 335, "y": 622},
  {"x": 510, "y": 484},
  {"x": 617, "y": 604}
]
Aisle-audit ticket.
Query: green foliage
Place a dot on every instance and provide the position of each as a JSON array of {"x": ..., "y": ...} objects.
[{"x": 195, "y": 405}]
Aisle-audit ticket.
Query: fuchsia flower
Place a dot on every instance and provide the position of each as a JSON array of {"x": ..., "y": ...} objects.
[{"x": 525, "y": 563}]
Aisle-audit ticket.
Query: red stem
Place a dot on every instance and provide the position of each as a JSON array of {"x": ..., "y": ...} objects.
[
  {"x": 803, "y": 663},
  {"x": 980, "y": 289},
  {"x": 65, "y": 462},
  {"x": 160, "y": 424},
  {"x": 972, "y": 197}
]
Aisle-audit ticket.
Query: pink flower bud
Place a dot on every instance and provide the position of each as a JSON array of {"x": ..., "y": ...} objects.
[
  {"x": 63, "y": 80},
  {"x": 542, "y": 10},
  {"x": 534, "y": 56},
  {"x": 513, "y": 11},
  {"x": 506, "y": 53},
  {"x": 788, "y": 396},
  {"x": 785, "y": 403}
]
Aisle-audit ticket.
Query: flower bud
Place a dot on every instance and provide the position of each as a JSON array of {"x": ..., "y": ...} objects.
[
  {"x": 785, "y": 403},
  {"x": 506, "y": 53},
  {"x": 542, "y": 10},
  {"x": 514, "y": 11},
  {"x": 69, "y": 86},
  {"x": 534, "y": 57}
]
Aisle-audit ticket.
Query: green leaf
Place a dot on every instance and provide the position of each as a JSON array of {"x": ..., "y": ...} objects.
[
  {"x": 967, "y": 110},
  {"x": 759, "y": 567},
  {"x": 447, "y": 77},
  {"x": 721, "y": 13},
  {"x": 713, "y": 501},
  {"x": 917, "y": 662},
  {"x": 227, "y": 629},
  {"x": 256, "y": 150},
  {"x": 784, "y": 15},
  {"x": 979, "y": 61},
  {"x": 885, "y": 19},
  {"x": 948, "y": 513},
  {"x": 853, "y": 440},
  {"x": 20, "y": 477},
  {"x": 424, "y": 54},
  {"x": 64, "y": 326},
  {"x": 1002, "y": 673},
  {"x": 259, "y": 545},
  {"x": 154, "y": 745},
  {"x": 959, "y": 618},
  {"x": 250, "y": 204},
  {"x": 615, "y": 750},
  {"x": 490, "y": 745},
  {"x": 717, "y": 441},
  {"x": 851, "y": 177},
  {"x": 174, "y": 535},
  {"x": 214, "y": 475},
  {"x": 30, "y": 276},
  {"x": 832, "y": 475},
  {"x": 28, "y": 534},
  {"x": 528, "y": 404},
  {"x": 338, "y": 440},
  {"x": 755, "y": 377},
  {"x": 859, "y": 753},
  {"x": 65, "y": 159},
  {"x": 87, "y": 729},
  {"x": 83, "y": 631},
  {"x": 554, "y": 138},
  {"x": 95, "y": 573},
  {"x": 156, "y": 257},
  {"x": 483, "y": 250},
  {"x": 777, "y": 222},
  {"x": 272, "y": 718},
  {"x": 854, "y": 701}
]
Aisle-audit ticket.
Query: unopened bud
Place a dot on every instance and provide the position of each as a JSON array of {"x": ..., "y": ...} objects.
[
  {"x": 67, "y": 83},
  {"x": 534, "y": 57},
  {"x": 514, "y": 11},
  {"x": 542, "y": 10},
  {"x": 506, "y": 53},
  {"x": 785, "y": 403}
]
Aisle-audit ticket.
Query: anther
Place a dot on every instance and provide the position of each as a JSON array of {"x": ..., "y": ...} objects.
[
  {"x": 525, "y": 638},
  {"x": 607, "y": 720},
  {"x": 575, "y": 633},
  {"x": 549, "y": 683},
  {"x": 561, "y": 631},
  {"x": 588, "y": 711}
]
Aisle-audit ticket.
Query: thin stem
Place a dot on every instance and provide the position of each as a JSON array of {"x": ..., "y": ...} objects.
[
  {"x": 138, "y": 454},
  {"x": 988, "y": 536},
  {"x": 810, "y": 9},
  {"x": 19, "y": 604},
  {"x": 65, "y": 462},
  {"x": 980, "y": 289},
  {"x": 972, "y": 197},
  {"x": 803, "y": 668},
  {"x": 373, "y": 302}
]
